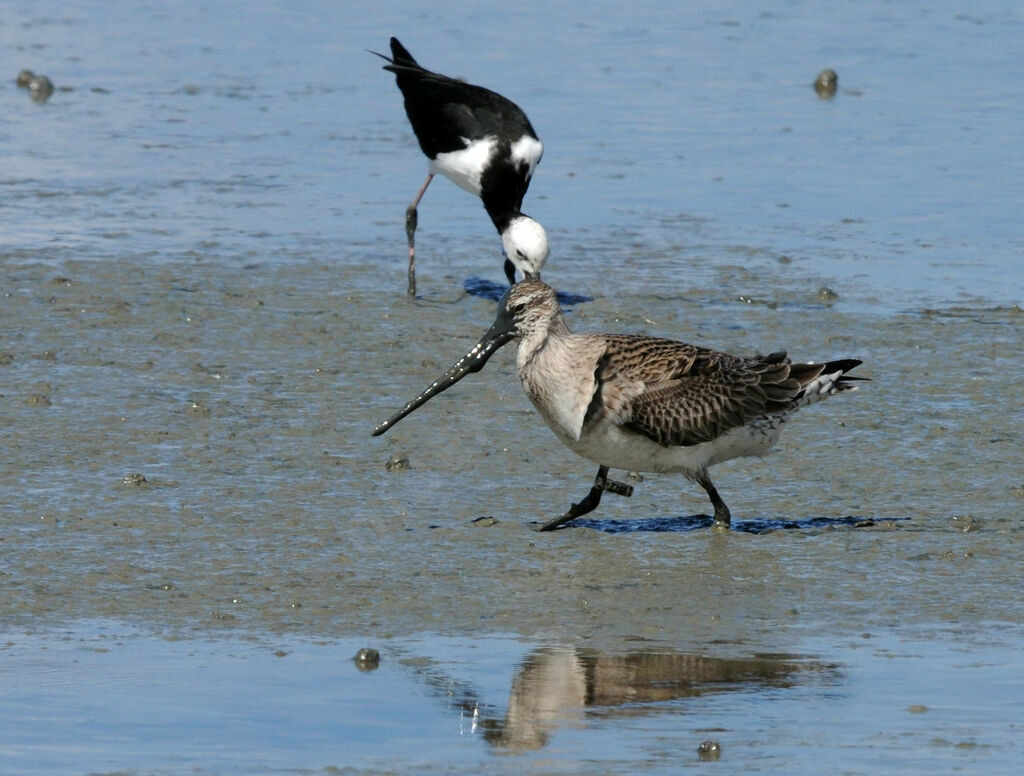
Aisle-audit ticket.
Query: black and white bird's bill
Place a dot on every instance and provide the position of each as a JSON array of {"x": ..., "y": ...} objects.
[{"x": 502, "y": 332}]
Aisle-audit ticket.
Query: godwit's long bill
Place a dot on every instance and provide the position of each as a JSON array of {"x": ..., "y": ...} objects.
[
  {"x": 641, "y": 403},
  {"x": 484, "y": 144}
]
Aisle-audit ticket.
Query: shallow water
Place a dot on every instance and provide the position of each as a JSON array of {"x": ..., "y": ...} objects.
[
  {"x": 121, "y": 702},
  {"x": 201, "y": 283}
]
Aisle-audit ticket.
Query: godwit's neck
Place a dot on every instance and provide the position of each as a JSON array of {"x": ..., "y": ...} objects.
[{"x": 542, "y": 336}]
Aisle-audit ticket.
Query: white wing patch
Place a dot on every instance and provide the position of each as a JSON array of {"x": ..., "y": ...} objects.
[
  {"x": 464, "y": 168},
  {"x": 527, "y": 150}
]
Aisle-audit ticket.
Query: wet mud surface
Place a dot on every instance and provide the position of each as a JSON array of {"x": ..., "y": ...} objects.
[{"x": 189, "y": 445}]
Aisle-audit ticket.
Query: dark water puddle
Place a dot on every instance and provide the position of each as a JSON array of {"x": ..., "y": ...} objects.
[
  {"x": 488, "y": 289},
  {"x": 687, "y": 523}
]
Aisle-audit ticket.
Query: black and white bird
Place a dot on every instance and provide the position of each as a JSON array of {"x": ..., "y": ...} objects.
[
  {"x": 483, "y": 143},
  {"x": 643, "y": 403}
]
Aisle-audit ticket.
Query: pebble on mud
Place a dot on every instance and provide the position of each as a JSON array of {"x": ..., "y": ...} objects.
[
  {"x": 39, "y": 86},
  {"x": 367, "y": 659},
  {"x": 709, "y": 751},
  {"x": 966, "y": 523},
  {"x": 397, "y": 462},
  {"x": 826, "y": 83},
  {"x": 485, "y": 521},
  {"x": 197, "y": 408},
  {"x": 134, "y": 480}
]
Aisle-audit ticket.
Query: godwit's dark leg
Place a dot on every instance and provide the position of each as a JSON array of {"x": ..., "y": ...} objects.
[
  {"x": 588, "y": 504},
  {"x": 722, "y": 516},
  {"x": 591, "y": 500},
  {"x": 411, "y": 218}
]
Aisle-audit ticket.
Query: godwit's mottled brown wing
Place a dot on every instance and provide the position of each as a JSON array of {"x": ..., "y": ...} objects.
[{"x": 679, "y": 394}]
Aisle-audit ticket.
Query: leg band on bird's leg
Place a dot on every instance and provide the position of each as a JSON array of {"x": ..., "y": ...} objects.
[{"x": 602, "y": 482}]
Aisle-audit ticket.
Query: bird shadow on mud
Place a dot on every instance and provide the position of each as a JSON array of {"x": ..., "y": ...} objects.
[
  {"x": 488, "y": 289},
  {"x": 757, "y": 525}
]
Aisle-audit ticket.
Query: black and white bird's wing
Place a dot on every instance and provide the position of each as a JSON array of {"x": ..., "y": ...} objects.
[{"x": 445, "y": 112}]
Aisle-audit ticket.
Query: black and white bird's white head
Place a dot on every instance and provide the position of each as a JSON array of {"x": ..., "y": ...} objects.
[{"x": 526, "y": 247}]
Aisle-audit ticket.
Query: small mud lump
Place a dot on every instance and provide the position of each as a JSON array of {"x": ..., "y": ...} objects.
[
  {"x": 367, "y": 659},
  {"x": 826, "y": 83}
]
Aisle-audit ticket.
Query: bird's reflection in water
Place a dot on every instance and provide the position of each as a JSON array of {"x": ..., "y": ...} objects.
[{"x": 557, "y": 687}]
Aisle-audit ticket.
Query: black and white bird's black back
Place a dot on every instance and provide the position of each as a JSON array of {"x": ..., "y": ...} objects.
[
  {"x": 481, "y": 141},
  {"x": 447, "y": 115}
]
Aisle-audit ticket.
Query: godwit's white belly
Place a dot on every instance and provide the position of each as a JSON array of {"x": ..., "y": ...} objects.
[{"x": 613, "y": 446}]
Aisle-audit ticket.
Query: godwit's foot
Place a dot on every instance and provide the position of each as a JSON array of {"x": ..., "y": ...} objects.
[
  {"x": 592, "y": 499},
  {"x": 722, "y": 517}
]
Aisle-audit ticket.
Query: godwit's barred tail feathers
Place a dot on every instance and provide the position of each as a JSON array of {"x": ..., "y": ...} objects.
[
  {"x": 680, "y": 394},
  {"x": 821, "y": 380}
]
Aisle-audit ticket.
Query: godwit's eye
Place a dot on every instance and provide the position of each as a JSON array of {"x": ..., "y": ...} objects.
[{"x": 519, "y": 308}]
